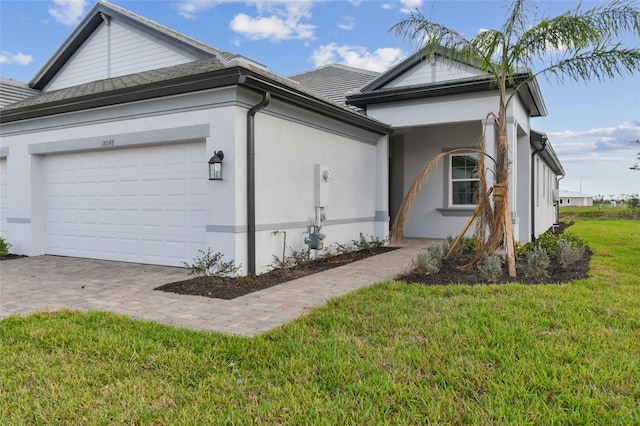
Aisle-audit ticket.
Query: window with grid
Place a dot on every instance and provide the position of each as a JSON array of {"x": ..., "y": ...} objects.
[{"x": 464, "y": 179}]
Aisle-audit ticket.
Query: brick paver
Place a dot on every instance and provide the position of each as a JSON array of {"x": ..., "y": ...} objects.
[{"x": 52, "y": 283}]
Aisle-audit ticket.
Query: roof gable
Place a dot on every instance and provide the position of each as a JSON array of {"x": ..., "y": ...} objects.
[
  {"x": 419, "y": 77},
  {"x": 110, "y": 37},
  {"x": 434, "y": 70},
  {"x": 418, "y": 69}
]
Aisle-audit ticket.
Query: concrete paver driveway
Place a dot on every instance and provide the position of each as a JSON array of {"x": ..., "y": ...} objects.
[{"x": 51, "y": 283}]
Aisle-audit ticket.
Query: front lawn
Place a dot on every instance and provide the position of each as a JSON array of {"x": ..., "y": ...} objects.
[{"x": 391, "y": 353}]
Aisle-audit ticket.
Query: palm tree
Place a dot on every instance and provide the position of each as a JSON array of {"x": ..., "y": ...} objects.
[{"x": 578, "y": 45}]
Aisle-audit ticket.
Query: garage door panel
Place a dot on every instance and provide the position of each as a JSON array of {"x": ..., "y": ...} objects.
[{"x": 141, "y": 205}]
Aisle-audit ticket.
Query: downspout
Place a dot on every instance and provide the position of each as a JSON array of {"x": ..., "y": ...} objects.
[
  {"x": 558, "y": 202},
  {"x": 543, "y": 140},
  {"x": 251, "y": 182}
]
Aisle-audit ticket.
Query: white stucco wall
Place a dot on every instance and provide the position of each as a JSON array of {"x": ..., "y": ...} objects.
[
  {"x": 209, "y": 116},
  {"x": 442, "y": 123},
  {"x": 289, "y": 142},
  {"x": 431, "y": 216},
  {"x": 544, "y": 206}
]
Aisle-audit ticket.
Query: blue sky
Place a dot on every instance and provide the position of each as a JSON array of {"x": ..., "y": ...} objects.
[{"x": 591, "y": 125}]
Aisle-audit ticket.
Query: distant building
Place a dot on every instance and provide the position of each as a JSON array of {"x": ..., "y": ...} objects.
[{"x": 575, "y": 199}]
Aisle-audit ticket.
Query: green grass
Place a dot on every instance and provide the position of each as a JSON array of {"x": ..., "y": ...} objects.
[
  {"x": 621, "y": 211},
  {"x": 391, "y": 353}
]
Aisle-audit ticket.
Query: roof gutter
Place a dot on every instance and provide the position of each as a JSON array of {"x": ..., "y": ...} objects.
[
  {"x": 530, "y": 94},
  {"x": 193, "y": 83}
]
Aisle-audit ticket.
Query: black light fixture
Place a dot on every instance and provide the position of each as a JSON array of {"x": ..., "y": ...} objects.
[{"x": 215, "y": 166}]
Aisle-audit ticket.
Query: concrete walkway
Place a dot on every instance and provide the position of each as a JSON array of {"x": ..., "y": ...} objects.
[{"x": 45, "y": 283}]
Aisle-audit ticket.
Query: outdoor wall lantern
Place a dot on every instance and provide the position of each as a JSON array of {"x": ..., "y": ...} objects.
[{"x": 215, "y": 166}]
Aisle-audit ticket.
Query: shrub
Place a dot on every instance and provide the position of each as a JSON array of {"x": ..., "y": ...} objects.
[
  {"x": 369, "y": 244},
  {"x": 428, "y": 261},
  {"x": 281, "y": 264},
  {"x": 523, "y": 249},
  {"x": 568, "y": 254},
  {"x": 4, "y": 247},
  {"x": 211, "y": 265},
  {"x": 548, "y": 241},
  {"x": 490, "y": 267},
  {"x": 342, "y": 248},
  {"x": 466, "y": 245},
  {"x": 538, "y": 262},
  {"x": 300, "y": 257},
  {"x": 573, "y": 239}
]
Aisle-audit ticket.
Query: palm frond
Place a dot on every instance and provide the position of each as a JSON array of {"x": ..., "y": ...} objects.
[
  {"x": 412, "y": 194},
  {"x": 427, "y": 34},
  {"x": 614, "y": 18},
  {"x": 575, "y": 31},
  {"x": 432, "y": 37},
  {"x": 599, "y": 63},
  {"x": 517, "y": 21}
]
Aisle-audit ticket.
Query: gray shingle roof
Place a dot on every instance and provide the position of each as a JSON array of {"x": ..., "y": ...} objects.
[
  {"x": 12, "y": 91},
  {"x": 334, "y": 81},
  {"x": 122, "y": 82},
  {"x": 193, "y": 76}
]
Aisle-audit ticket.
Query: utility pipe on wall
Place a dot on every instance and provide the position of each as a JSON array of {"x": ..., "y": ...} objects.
[{"x": 251, "y": 183}]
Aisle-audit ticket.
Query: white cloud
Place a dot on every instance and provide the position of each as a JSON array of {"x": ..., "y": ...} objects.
[
  {"x": 406, "y": 6},
  {"x": 276, "y": 20},
  {"x": 15, "y": 58},
  {"x": 409, "y": 6},
  {"x": 190, "y": 8},
  {"x": 347, "y": 23},
  {"x": 606, "y": 142},
  {"x": 67, "y": 12},
  {"x": 357, "y": 56}
]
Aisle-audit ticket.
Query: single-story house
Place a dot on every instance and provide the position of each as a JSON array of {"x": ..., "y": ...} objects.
[
  {"x": 110, "y": 159},
  {"x": 574, "y": 199}
]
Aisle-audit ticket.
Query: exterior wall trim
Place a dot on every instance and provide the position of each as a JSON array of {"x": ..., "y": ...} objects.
[
  {"x": 230, "y": 229},
  {"x": 116, "y": 141},
  {"x": 18, "y": 220}
]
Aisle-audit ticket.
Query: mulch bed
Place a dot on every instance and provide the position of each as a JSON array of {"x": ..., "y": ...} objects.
[
  {"x": 452, "y": 273},
  {"x": 230, "y": 288},
  {"x": 11, "y": 256}
]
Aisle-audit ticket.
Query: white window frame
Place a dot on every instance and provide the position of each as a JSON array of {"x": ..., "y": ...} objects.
[{"x": 452, "y": 179}]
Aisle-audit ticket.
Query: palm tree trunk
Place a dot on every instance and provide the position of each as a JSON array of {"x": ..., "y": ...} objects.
[{"x": 501, "y": 234}]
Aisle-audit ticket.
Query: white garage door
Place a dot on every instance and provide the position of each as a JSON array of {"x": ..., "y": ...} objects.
[
  {"x": 142, "y": 205},
  {"x": 3, "y": 197}
]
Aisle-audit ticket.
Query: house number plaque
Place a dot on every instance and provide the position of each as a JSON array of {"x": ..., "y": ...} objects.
[{"x": 108, "y": 142}]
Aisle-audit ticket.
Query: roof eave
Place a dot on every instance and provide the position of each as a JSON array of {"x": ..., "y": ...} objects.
[
  {"x": 423, "y": 91},
  {"x": 532, "y": 97},
  {"x": 230, "y": 76},
  {"x": 262, "y": 83},
  {"x": 177, "y": 86},
  {"x": 540, "y": 142}
]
